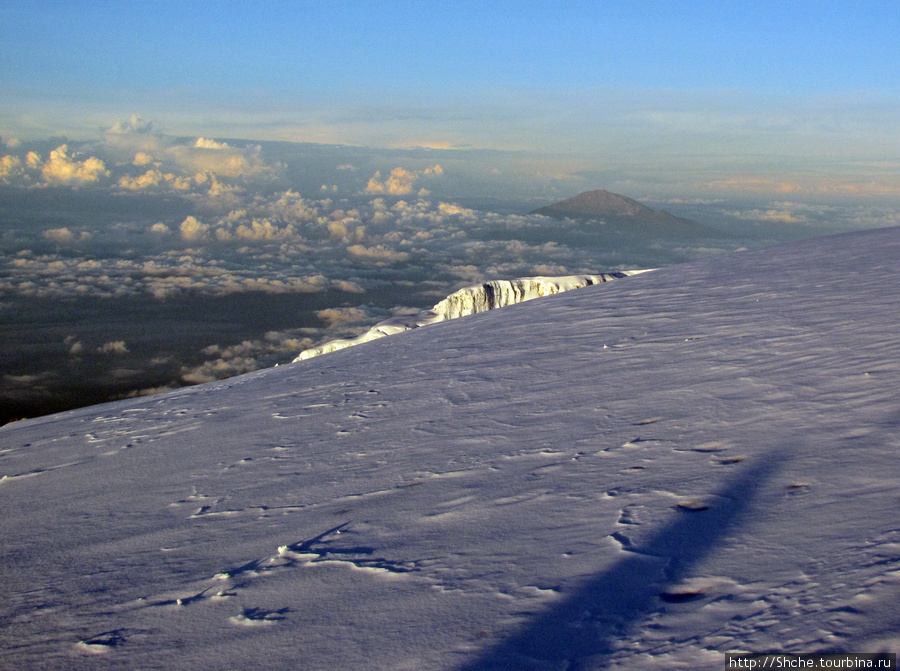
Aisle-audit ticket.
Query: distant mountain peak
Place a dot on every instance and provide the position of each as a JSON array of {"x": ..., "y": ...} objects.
[
  {"x": 602, "y": 204},
  {"x": 597, "y": 203}
]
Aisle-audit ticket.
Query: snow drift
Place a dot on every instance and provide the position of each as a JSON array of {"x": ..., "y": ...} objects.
[
  {"x": 469, "y": 301},
  {"x": 645, "y": 474}
]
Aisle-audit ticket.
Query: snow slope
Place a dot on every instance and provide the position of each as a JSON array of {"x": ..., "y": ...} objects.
[
  {"x": 645, "y": 474},
  {"x": 469, "y": 301}
]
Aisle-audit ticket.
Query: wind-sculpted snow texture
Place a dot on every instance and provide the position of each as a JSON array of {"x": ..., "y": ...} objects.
[
  {"x": 469, "y": 301},
  {"x": 645, "y": 474}
]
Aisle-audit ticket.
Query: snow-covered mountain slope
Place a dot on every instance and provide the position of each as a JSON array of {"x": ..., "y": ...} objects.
[
  {"x": 645, "y": 474},
  {"x": 469, "y": 301}
]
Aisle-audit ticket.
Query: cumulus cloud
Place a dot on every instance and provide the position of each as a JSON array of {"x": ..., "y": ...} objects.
[
  {"x": 263, "y": 229},
  {"x": 135, "y": 135},
  {"x": 115, "y": 347},
  {"x": 11, "y": 169},
  {"x": 61, "y": 168},
  {"x": 347, "y": 230},
  {"x": 76, "y": 347},
  {"x": 378, "y": 253},
  {"x": 347, "y": 286},
  {"x": 292, "y": 207},
  {"x": 135, "y": 125},
  {"x": 450, "y": 210},
  {"x": 335, "y": 316},
  {"x": 154, "y": 179},
  {"x": 400, "y": 182},
  {"x": 64, "y": 235},
  {"x": 191, "y": 229},
  {"x": 219, "y": 159},
  {"x": 144, "y": 143},
  {"x": 59, "y": 234},
  {"x": 205, "y": 143},
  {"x": 244, "y": 357}
]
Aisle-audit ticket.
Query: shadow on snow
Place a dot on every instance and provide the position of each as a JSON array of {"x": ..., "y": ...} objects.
[{"x": 580, "y": 633}]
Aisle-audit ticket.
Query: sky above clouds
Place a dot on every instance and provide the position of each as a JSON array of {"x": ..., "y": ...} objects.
[{"x": 757, "y": 86}]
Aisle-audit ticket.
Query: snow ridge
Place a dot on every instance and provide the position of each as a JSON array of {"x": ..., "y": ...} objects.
[{"x": 472, "y": 300}]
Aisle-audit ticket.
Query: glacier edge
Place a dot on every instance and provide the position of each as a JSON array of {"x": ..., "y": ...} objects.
[{"x": 472, "y": 300}]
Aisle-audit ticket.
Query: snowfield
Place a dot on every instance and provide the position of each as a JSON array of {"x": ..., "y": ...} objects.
[{"x": 643, "y": 474}]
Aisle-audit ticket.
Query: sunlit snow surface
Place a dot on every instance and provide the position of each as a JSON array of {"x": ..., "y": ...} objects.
[{"x": 643, "y": 474}]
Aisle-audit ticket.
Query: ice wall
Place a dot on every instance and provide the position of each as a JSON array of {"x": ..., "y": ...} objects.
[{"x": 472, "y": 300}]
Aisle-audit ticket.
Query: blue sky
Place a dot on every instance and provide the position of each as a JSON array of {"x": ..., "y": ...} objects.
[
  {"x": 430, "y": 48},
  {"x": 793, "y": 85}
]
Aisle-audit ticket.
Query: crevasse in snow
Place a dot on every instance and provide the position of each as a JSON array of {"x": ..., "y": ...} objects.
[{"x": 472, "y": 300}]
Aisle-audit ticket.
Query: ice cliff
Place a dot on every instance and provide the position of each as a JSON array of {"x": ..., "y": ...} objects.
[{"x": 472, "y": 300}]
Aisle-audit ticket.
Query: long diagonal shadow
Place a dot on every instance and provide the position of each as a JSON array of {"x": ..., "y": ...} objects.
[{"x": 579, "y": 632}]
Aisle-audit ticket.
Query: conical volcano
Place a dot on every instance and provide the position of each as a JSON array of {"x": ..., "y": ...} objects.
[{"x": 614, "y": 208}]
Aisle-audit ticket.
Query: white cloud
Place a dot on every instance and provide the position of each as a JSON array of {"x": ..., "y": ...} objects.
[
  {"x": 400, "y": 182},
  {"x": 263, "y": 229},
  {"x": 291, "y": 206},
  {"x": 244, "y": 357},
  {"x": 220, "y": 160},
  {"x": 349, "y": 287},
  {"x": 191, "y": 229},
  {"x": 64, "y": 169},
  {"x": 145, "y": 143},
  {"x": 59, "y": 234},
  {"x": 61, "y": 168},
  {"x": 135, "y": 125},
  {"x": 205, "y": 143},
  {"x": 337, "y": 316},
  {"x": 114, "y": 347},
  {"x": 64, "y": 235},
  {"x": 135, "y": 135},
  {"x": 449, "y": 210},
  {"x": 11, "y": 168},
  {"x": 76, "y": 347},
  {"x": 154, "y": 179},
  {"x": 347, "y": 230},
  {"x": 378, "y": 253}
]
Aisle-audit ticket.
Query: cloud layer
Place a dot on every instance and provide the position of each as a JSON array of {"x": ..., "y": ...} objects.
[{"x": 301, "y": 247}]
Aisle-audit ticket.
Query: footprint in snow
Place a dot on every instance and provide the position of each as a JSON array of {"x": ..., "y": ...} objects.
[
  {"x": 693, "y": 504},
  {"x": 695, "y": 589},
  {"x": 256, "y": 617},
  {"x": 102, "y": 643}
]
